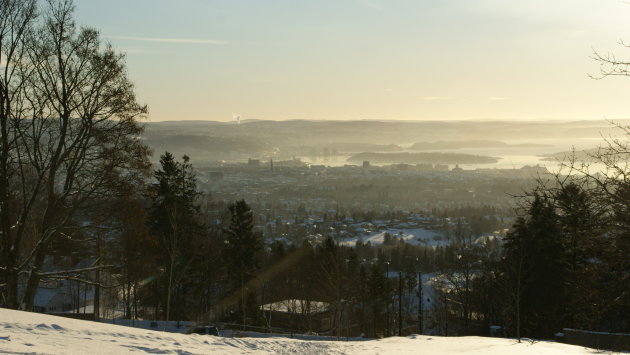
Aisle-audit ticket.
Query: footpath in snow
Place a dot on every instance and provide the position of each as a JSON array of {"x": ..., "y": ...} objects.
[{"x": 26, "y": 333}]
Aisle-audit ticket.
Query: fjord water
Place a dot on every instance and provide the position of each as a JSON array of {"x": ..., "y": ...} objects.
[{"x": 515, "y": 155}]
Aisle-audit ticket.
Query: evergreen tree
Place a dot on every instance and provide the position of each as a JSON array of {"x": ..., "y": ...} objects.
[
  {"x": 536, "y": 271},
  {"x": 378, "y": 298},
  {"x": 241, "y": 247},
  {"x": 614, "y": 263},
  {"x": 173, "y": 218},
  {"x": 580, "y": 220}
]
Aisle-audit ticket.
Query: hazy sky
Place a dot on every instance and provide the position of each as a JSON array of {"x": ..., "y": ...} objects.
[{"x": 368, "y": 59}]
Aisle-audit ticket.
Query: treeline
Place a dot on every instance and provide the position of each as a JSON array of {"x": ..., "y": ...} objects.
[
  {"x": 566, "y": 258},
  {"x": 564, "y": 262}
]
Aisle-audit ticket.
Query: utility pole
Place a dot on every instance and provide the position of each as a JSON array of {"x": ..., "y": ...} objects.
[
  {"x": 97, "y": 286},
  {"x": 242, "y": 302},
  {"x": 420, "y": 318},
  {"x": 389, "y": 299},
  {"x": 420, "y": 302},
  {"x": 400, "y": 287}
]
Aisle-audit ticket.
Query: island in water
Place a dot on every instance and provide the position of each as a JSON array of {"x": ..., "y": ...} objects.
[{"x": 421, "y": 158}]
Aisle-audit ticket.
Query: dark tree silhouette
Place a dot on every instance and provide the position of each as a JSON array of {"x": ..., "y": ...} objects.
[
  {"x": 69, "y": 136},
  {"x": 241, "y": 246},
  {"x": 174, "y": 218},
  {"x": 536, "y": 270}
]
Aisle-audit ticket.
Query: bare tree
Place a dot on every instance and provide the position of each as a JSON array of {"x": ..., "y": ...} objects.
[
  {"x": 16, "y": 18},
  {"x": 74, "y": 141},
  {"x": 610, "y": 64}
]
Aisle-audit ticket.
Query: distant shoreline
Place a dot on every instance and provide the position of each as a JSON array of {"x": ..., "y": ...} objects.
[
  {"x": 438, "y": 145},
  {"x": 422, "y": 158}
]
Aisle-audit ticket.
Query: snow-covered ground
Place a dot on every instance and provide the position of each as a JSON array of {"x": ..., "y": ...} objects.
[
  {"x": 415, "y": 236},
  {"x": 22, "y": 332}
]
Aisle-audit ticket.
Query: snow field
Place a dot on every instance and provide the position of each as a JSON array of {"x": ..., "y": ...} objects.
[{"x": 24, "y": 332}]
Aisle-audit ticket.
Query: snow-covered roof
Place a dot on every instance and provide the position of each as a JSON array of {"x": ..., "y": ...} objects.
[
  {"x": 43, "y": 296},
  {"x": 416, "y": 236}
]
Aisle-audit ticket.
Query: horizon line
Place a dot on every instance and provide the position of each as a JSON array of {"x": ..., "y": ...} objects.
[{"x": 242, "y": 121}]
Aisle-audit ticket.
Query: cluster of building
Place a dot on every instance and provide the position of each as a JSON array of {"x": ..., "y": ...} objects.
[{"x": 294, "y": 201}]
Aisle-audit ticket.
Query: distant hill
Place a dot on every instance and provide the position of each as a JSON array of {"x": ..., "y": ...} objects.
[
  {"x": 308, "y": 132},
  {"x": 437, "y": 145},
  {"x": 213, "y": 141},
  {"x": 579, "y": 155},
  {"x": 456, "y": 145},
  {"x": 331, "y": 149},
  {"x": 421, "y": 158}
]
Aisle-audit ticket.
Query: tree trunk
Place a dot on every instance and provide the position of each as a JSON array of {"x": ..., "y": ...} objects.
[
  {"x": 168, "y": 292},
  {"x": 33, "y": 282},
  {"x": 97, "y": 286},
  {"x": 11, "y": 292},
  {"x": 135, "y": 301},
  {"x": 97, "y": 298},
  {"x": 242, "y": 300}
]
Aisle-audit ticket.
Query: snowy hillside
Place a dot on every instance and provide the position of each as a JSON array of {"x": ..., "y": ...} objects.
[{"x": 22, "y": 332}]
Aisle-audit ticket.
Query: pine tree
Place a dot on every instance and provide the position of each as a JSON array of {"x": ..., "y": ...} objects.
[
  {"x": 378, "y": 298},
  {"x": 133, "y": 250},
  {"x": 517, "y": 272},
  {"x": 536, "y": 271},
  {"x": 580, "y": 220},
  {"x": 173, "y": 218},
  {"x": 241, "y": 246}
]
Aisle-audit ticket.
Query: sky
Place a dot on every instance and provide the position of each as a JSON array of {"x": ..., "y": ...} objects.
[{"x": 368, "y": 59}]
